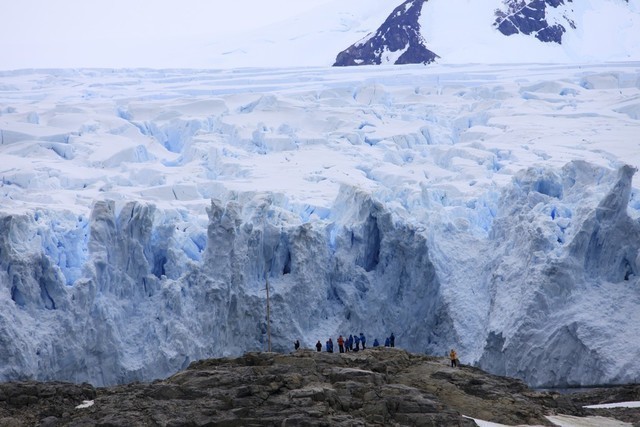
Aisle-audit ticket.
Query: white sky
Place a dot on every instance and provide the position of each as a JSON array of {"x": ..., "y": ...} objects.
[{"x": 115, "y": 33}]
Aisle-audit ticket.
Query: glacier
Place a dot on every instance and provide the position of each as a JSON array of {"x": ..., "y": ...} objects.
[{"x": 487, "y": 208}]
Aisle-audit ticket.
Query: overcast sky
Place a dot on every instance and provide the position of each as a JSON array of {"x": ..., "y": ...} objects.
[{"x": 123, "y": 33}]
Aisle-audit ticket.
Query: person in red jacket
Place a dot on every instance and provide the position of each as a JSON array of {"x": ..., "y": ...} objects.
[{"x": 341, "y": 344}]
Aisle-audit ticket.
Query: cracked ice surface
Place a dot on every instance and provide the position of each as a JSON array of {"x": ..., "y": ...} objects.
[{"x": 487, "y": 208}]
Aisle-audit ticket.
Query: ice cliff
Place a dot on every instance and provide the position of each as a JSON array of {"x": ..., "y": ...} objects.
[
  {"x": 140, "y": 227},
  {"x": 565, "y": 263},
  {"x": 141, "y": 308}
]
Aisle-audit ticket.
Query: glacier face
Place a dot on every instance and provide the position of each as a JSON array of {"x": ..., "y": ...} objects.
[
  {"x": 568, "y": 262},
  {"x": 486, "y": 208}
]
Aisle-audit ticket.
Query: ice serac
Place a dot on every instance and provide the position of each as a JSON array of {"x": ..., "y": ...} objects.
[
  {"x": 142, "y": 309},
  {"x": 531, "y": 17},
  {"x": 126, "y": 319},
  {"x": 550, "y": 330},
  {"x": 397, "y": 41},
  {"x": 326, "y": 275},
  {"x": 485, "y": 210}
]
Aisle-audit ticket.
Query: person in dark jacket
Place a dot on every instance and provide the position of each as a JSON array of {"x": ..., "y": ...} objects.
[
  {"x": 319, "y": 346},
  {"x": 362, "y": 340},
  {"x": 329, "y": 346},
  {"x": 387, "y": 342},
  {"x": 356, "y": 341},
  {"x": 392, "y": 340},
  {"x": 350, "y": 340},
  {"x": 296, "y": 345},
  {"x": 376, "y": 343}
]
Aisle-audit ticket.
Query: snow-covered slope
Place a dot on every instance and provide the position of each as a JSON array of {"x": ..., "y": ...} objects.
[
  {"x": 453, "y": 31},
  {"x": 486, "y": 208},
  {"x": 309, "y": 39},
  {"x": 284, "y": 33}
]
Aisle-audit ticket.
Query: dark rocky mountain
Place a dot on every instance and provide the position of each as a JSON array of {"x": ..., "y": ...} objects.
[
  {"x": 530, "y": 17},
  {"x": 399, "y": 39},
  {"x": 383, "y": 386},
  {"x": 396, "y": 41}
]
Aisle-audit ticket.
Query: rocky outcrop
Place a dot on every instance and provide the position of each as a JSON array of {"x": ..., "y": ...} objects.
[
  {"x": 530, "y": 17},
  {"x": 396, "y": 41},
  {"x": 383, "y": 386},
  {"x": 399, "y": 39},
  {"x": 30, "y": 403}
]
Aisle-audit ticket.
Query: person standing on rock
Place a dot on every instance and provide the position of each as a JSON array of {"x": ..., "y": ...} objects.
[
  {"x": 319, "y": 346},
  {"x": 376, "y": 343},
  {"x": 350, "y": 343},
  {"x": 362, "y": 340},
  {"x": 454, "y": 358},
  {"x": 387, "y": 342},
  {"x": 330, "y": 346},
  {"x": 296, "y": 345},
  {"x": 392, "y": 340},
  {"x": 341, "y": 344},
  {"x": 356, "y": 341}
]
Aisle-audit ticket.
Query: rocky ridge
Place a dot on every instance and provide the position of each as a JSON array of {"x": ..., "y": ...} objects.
[
  {"x": 382, "y": 386},
  {"x": 397, "y": 41},
  {"x": 400, "y": 40},
  {"x": 530, "y": 18}
]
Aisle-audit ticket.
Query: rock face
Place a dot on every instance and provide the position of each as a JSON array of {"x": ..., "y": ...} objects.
[
  {"x": 383, "y": 386},
  {"x": 396, "y": 41},
  {"x": 36, "y": 403},
  {"x": 531, "y": 18}
]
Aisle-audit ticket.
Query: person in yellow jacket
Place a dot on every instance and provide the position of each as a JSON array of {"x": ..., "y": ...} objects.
[{"x": 454, "y": 358}]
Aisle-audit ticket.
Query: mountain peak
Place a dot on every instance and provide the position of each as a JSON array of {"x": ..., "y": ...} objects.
[
  {"x": 467, "y": 32},
  {"x": 397, "y": 41}
]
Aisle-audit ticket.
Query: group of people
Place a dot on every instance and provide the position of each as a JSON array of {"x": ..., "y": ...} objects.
[{"x": 352, "y": 343}]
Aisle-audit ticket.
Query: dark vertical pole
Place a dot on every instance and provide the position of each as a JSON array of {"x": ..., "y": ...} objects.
[{"x": 268, "y": 316}]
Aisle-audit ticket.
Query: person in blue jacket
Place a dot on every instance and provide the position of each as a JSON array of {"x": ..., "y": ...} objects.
[
  {"x": 350, "y": 342},
  {"x": 387, "y": 342},
  {"x": 356, "y": 341},
  {"x": 362, "y": 340},
  {"x": 329, "y": 346},
  {"x": 392, "y": 340},
  {"x": 376, "y": 343}
]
